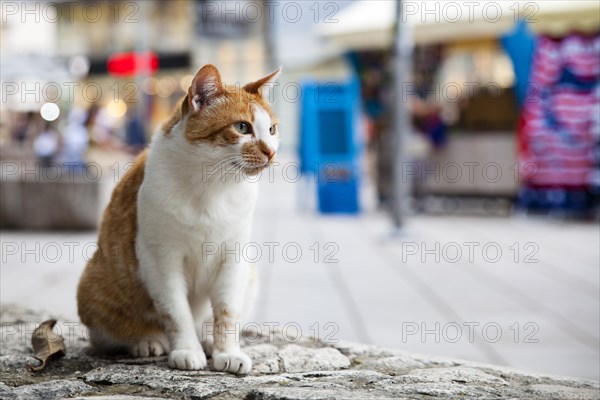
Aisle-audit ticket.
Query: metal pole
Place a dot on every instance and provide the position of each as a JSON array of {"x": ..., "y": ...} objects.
[
  {"x": 269, "y": 35},
  {"x": 142, "y": 47},
  {"x": 269, "y": 44},
  {"x": 401, "y": 117}
]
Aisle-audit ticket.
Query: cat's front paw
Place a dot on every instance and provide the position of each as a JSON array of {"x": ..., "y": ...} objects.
[
  {"x": 235, "y": 362},
  {"x": 187, "y": 359}
]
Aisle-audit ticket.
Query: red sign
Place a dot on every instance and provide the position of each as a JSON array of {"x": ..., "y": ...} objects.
[{"x": 127, "y": 64}]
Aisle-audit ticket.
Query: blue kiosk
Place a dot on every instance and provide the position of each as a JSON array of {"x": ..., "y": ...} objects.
[{"x": 329, "y": 143}]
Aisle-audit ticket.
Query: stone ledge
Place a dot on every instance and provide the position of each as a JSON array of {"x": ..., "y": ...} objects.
[
  {"x": 306, "y": 369},
  {"x": 25, "y": 204}
]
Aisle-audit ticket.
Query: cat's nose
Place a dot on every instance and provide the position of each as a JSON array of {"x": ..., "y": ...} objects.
[{"x": 268, "y": 152}]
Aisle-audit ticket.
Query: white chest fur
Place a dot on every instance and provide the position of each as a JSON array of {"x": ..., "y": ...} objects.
[{"x": 187, "y": 206}]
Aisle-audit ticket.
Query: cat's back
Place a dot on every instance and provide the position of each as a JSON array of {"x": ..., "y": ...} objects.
[
  {"x": 118, "y": 228},
  {"x": 110, "y": 285},
  {"x": 119, "y": 219}
]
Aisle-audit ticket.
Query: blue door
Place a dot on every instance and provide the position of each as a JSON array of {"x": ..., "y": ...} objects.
[{"x": 329, "y": 145}]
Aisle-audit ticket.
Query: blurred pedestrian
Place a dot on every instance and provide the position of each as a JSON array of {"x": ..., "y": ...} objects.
[
  {"x": 76, "y": 140},
  {"x": 135, "y": 135},
  {"x": 23, "y": 127},
  {"x": 46, "y": 145},
  {"x": 100, "y": 128}
]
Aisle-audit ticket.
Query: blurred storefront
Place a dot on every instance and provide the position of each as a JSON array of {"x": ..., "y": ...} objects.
[
  {"x": 466, "y": 93},
  {"x": 82, "y": 37}
]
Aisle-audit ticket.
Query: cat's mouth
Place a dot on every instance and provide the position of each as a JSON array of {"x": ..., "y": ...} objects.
[
  {"x": 255, "y": 168},
  {"x": 254, "y": 165}
]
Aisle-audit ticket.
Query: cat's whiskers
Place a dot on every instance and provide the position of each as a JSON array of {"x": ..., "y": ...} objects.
[
  {"x": 234, "y": 171},
  {"x": 219, "y": 167}
]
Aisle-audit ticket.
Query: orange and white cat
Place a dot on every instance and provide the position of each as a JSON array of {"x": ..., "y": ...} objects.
[{"x": 150, "y": 287}]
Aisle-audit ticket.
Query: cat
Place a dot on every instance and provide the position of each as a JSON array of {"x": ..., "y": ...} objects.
[{"x": 151, "y": 288}]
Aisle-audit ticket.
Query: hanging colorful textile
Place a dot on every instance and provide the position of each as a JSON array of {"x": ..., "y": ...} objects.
[{"x": 560, "y": 130}]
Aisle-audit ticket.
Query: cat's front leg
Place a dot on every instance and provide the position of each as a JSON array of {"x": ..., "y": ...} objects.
[
  {"x": 227, "y": 299},
  {"x": 164, "y": 277}
]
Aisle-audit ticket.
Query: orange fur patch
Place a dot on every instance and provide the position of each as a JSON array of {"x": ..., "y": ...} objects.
[
  {"x": 213, "y": 123},
  {"x": 224, "y": 325},
  {"x": 173, "y": 119},
  {"x": 110, "y": 295}
]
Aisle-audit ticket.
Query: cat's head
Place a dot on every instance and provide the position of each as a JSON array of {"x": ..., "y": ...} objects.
[{"x": 231, "y": 125}]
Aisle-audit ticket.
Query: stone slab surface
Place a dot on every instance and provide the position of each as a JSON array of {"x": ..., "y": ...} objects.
[{"x": 283, "y": 370}]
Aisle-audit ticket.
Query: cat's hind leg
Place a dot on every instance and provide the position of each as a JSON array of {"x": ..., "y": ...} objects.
[
  {"x": 154, "y": 344},
  {"x": 105, "y": 343},
  {"x": 149, "y": 345}
]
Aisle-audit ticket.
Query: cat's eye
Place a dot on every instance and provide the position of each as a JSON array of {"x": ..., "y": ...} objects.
[
  {"x": 243, "y": 127},
  {"x": 273, "y": 130}
]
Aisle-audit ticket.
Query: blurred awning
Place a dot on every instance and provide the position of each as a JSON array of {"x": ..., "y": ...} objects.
[
  {"x": 166, "y": 61},
  {"x": 30, "y": 80},
  {"x": 367, "y": 24}
]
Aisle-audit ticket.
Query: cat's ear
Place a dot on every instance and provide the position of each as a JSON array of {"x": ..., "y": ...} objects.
[
  {"x": 205, "y": 86},
  {"x": 261, "y": 86}
]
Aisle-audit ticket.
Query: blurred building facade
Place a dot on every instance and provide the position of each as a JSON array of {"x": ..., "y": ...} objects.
[
  {"x": 470, "y": 78},
  {"x": 80, "y": 38},
  {"x": 464, "y": 91}
]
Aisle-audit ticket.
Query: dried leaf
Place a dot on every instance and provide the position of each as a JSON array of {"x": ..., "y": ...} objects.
[{"x": 46, "y": 344}]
